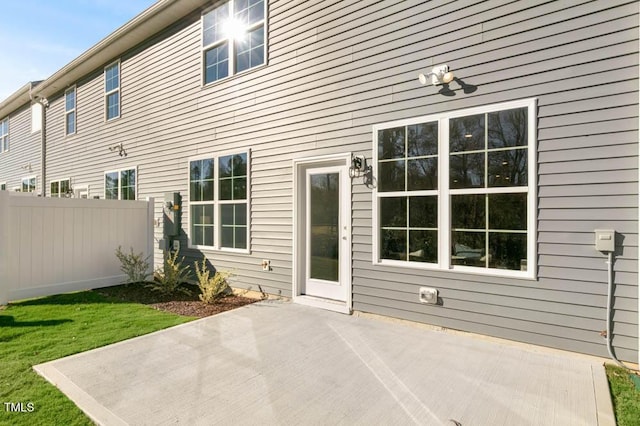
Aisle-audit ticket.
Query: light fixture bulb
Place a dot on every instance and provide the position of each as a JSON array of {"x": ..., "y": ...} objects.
[
  {"x": 422, "y": 78},
  {"x": 447, "y": 77}
]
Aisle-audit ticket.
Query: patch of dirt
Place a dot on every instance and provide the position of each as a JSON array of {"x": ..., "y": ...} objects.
[{"x": 179, "y": 303}]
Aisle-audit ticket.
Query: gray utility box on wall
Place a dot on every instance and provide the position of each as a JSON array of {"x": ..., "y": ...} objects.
[
  {"x": 172, "y": 214},
  {"x": 605, "y": 240}
]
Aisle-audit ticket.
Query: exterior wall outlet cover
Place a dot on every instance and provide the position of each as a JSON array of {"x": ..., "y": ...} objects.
[
  {"x": 428, "y": 295},
  {"x": 266, "y": 265}
]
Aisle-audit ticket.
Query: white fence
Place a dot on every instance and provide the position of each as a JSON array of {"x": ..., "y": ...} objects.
[{"x": 55, "y": 245}]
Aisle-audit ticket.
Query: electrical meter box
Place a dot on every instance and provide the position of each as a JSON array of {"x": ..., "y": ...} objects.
[
  {"x": 605, "y": 240},
  {"x": 172, "y": 212}
]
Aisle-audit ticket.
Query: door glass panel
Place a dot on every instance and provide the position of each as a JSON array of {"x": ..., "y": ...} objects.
[{"x": 324, "y": 226}]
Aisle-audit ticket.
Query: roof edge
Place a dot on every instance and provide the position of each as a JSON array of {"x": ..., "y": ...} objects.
[
  {"x": 20, "y": 97},
  {"x": 146, "y": 24}
]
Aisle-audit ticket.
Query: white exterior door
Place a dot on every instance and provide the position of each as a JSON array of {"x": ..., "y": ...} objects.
[{"x": 323, "y": 234}]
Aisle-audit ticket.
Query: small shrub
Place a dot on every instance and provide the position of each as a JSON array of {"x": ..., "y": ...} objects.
[
  {"x": 213, "y": 288},
  {"x": 133, "y": 265},
  {"x": 168, "y": 278}
]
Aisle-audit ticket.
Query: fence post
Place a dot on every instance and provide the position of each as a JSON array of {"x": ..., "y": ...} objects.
[{"x": 5, "y": 220}]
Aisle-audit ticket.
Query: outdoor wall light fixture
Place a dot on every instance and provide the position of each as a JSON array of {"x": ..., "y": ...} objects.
[
  {"x": 120, "y": 148},
  {"x": 26, "y": 167},
  {"x": 358, "y": 166},
  {"x": 440, "y": 74}
]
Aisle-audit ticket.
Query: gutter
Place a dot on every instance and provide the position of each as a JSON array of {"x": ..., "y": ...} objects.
[{"x": 17, "y": 99}]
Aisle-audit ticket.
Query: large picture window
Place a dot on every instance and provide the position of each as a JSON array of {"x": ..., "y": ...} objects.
[
  {"x": 218, "y": 197},
  {"x": 233, "y": 38},
  {"x": 120, "y": 184},
  {"x": 457, "y": 190}
]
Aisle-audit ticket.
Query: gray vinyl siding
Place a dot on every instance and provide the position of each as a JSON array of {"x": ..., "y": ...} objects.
[
  {"x": 24, "y": 149},
  {"x": 337, "y": 68}
]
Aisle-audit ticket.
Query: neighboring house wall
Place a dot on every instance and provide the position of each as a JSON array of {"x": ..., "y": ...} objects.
[
  {"x": 23, "y": 159},
  {"x": 334, "y": 71}
]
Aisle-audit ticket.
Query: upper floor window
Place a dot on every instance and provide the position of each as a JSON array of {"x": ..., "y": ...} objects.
[
  {"x": 70, "y": 111},
  {"x": 457, "y": 190},
  {"x": 218, "y": 198},
  {"x": 233, "y": 38},
  {"x": 3, "y": 186},
  {"x": 112, "y": 91},
  {"x": 28, "y": 184},
  {"x": 4, "y": 135},
  {"x": 61, "y": 188},
  {"x": 120, "y": 184}
]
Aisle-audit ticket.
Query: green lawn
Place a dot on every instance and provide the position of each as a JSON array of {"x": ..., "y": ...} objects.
[
  {"x": 40, "y": 330},
  {"x": 625, "y": 395}
]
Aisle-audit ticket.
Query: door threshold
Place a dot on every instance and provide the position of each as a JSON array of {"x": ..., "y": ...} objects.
[{"x": 328, "y": 304}]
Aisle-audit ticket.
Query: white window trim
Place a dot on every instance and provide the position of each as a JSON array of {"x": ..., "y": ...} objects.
[
  {"x": 118, "y": 89},
  {"x": 35, "y": 189},
  {"x": 73, "y": 110},
  {"x": 232, "y": 50},
  {"x": 444, "y": 231},
  {"x": 119, "y": 171},
  {"x": 59, "y": 181},
  {"x": 216, "y": 203},
  {"x": 3, "y": 135}
]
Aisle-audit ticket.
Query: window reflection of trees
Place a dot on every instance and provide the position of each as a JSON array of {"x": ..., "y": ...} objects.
[
  {"x": 508, "y": 133},
  {"x": 489, "y": 230},
  {"x": 486, "y": 151},
  {"x": 408, "y": 154},
  {"x": 324, "y": 227},
  {"x": 111, "y": 186}
]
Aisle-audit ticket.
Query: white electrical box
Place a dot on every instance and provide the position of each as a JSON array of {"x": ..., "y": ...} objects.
[
  {"x": 429, "y": 295},
  {"x": 605, "y": 240}
]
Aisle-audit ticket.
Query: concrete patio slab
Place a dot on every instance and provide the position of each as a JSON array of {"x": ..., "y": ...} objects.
[{"x": 281, "y": 363}]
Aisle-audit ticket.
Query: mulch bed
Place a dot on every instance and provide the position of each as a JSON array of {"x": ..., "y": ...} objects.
[{"x": 178, "y": 303}]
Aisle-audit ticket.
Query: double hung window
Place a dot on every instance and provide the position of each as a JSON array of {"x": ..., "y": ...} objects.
[
  {"x": 28, "y": 184},
  {"x": 60, "y": 188},
  {"x": 120, "y": 184},
  {"x": 4, "y": 135},
  {"x": 70, "y": 111},
  {"x": 457, "y": 190},
  {"x": 233, "y": 38},
  {"x": 218, "y": 197},
  {"x": 112, "y": 91}
]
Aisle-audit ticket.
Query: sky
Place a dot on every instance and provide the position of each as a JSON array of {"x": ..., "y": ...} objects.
[{"x": 39, "y": 37}]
